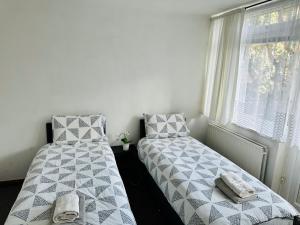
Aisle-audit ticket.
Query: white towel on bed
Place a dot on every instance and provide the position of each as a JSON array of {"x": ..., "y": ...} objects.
[
  {"x": 238, "y": 185},
  {"x": 66, "y": 209}
]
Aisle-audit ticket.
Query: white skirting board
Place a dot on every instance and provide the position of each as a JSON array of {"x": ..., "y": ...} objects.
[{"x": 246, "y": 153}]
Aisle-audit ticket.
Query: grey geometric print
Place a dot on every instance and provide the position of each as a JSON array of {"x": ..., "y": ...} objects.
[
  {"x": 235, "y": 219},
  {"x": 104, "y": 214},
  {"x": 82, "y": 123},
  {"x": 75, "y": 129},
  {"x": 214, "y": 214},
  {"x": 39, "y": 201},
  {"x": 43, "y": 216},
  {"x": 22, "y": 214},
  {"x": 85, "y": 169},
  {"x": 185, "y": 171},
  {"x": 125, "y": 218},
  {"x": 165, "y": 125}
]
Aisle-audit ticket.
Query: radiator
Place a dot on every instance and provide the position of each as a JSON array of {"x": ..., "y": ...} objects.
[{"x": 246, "y": 153}]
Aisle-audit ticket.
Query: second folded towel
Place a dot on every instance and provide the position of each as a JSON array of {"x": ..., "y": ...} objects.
[
  {"x": 230, "y": 194},
  {"x": 66, "y": 209},
  {"x": 237, "y": 185}
]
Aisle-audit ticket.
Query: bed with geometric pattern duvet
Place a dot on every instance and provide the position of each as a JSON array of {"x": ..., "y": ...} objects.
[
  {"x": 185, "y": 170},
  {"x": 89, "y": 169}
]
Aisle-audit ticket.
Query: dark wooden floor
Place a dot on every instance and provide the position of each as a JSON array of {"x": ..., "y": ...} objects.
[
  {"x": 144, "y": 205},
  {"x": 8, "y": 194}
]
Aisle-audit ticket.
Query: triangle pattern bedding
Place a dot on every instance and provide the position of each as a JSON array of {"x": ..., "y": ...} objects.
[
  {"x": 89, "y": 169},
  {"x": 185, "y": 171}
]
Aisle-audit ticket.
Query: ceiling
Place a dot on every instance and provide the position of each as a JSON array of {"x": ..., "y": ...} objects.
[{"x": 201, "y": 7}]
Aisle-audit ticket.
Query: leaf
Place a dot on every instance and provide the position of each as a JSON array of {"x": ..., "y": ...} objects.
[{"x": 125, "y": 140}]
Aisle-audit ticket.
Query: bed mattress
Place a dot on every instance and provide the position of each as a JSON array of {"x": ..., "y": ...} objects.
[
  {"x": 88, "y": 169},
  {"x": 185, "y": 170}
]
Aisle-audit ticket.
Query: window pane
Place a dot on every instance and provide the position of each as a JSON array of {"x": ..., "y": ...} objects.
[{"x": 269, "y": 55}]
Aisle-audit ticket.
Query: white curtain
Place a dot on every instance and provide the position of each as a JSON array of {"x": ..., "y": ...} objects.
[
  {"x": 268, "y": 88},
  {"x": 290, "y": 186},
  {"x": 253, "y": 78},
  {"x": 267, "y": 98},
  {"x": 222, "y": 65}
]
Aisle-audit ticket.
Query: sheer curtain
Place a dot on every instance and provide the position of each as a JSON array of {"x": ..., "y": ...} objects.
[
  {"x": 222, "y": 65},
  {"x": 267, "y": 97},
  {"x": 268, "y": 88}
]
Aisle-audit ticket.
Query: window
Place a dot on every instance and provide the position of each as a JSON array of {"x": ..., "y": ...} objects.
[{"x": 268, "y": 70}]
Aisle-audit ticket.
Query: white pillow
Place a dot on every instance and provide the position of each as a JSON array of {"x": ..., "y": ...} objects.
[
  {"x": 73, "y": 129},
  {"x": 165, "y": 125}
]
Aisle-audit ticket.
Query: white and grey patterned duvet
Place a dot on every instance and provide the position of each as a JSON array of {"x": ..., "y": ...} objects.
[
  {"x": 185, "y": 170},
  {"x": 89, "y": 169}
]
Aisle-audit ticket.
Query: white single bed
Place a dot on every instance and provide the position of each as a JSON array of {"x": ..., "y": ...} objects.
[
  {"x": 88, "y": 169},
  {"x": 185, "y": 170}
]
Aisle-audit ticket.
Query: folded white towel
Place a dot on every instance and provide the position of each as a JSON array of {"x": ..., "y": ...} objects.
[
  {"x": 238, "y": 185},
  {"x": 66, "y": 209}
]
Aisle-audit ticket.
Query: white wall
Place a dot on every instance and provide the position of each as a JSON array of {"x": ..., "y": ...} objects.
[{"x": 87, "y": 56}]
